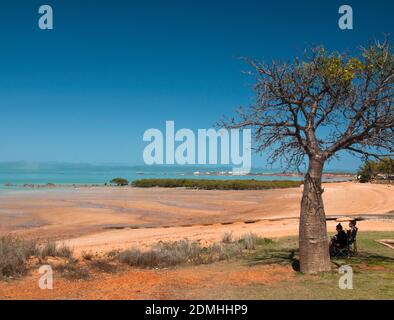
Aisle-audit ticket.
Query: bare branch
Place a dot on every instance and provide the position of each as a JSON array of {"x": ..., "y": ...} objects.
[{"x": 323, "y": 103}]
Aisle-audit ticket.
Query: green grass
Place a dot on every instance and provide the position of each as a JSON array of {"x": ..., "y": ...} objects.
[
  {"x": 373, "y": 273},
  {"x": 215, "y": 184}
]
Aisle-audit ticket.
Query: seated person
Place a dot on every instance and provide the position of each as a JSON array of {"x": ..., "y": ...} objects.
[
  {"x": 352, "y": 233},
  {"x": 339, "y": 241}
]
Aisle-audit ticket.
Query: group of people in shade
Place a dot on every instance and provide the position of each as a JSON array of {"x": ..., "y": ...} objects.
[{"x": 343, "y": 238}]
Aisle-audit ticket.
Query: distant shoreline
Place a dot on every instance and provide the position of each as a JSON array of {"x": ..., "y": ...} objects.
[
  {"x": 327, "y": 178},
  {"x": 38, "y": 175}
]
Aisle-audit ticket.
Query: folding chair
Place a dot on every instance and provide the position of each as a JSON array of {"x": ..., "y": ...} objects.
[
  {"x": 349, "y": 250},
  {"x": 342, "y": 252}
]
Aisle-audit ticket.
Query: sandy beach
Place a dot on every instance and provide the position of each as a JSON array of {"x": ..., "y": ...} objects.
[{"x": 101, "y": 219}]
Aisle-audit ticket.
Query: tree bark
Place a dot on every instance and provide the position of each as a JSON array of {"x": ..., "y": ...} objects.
[{"x": 314, "y": 251}]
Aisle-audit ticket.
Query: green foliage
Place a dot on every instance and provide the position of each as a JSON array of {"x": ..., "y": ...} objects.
[
  {"x": 386, "y": 166},
  {"x": 335, "y": 67},
  {"x": 377, "y": 59},
  {"x": 250, "y": 241},
  {"x": 370, "y": 169},
  {"x": 341, "y": 69},
  {"x": 367, "y": 171},
  {"x": 120, "y": 181},
  {"x": 215, "y": 184}
]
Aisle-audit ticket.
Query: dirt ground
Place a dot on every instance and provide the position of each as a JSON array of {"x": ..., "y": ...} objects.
[
  {"x": 100, "y": 219},
  {"x": 191, "y": 282}
]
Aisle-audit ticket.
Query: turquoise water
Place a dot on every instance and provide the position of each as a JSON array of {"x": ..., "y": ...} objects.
[{"x": 27, "y": 173}]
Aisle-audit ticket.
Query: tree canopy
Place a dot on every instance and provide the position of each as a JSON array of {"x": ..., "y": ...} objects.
[
  {"x": 120, "y": 181},
  {"x": 311, "y": 109},
  {"x": 321, "y": 104},
  {"x": 371, "y": 169}
]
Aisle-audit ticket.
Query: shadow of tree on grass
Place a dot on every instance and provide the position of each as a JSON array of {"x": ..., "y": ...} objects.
[
  {"x": 290, "y": 257},
  {"x": 276, "y": 256}
]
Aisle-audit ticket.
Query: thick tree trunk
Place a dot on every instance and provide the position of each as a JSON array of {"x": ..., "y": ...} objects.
[{"x": 314, "y": 251}]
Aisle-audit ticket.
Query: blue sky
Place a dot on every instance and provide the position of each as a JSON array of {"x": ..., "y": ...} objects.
[{"x": 87, "y": 90}]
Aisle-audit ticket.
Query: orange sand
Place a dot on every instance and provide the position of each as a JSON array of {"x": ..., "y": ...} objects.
[
  {"x": 174, "y": 284},
  {"x": 81, "y": 217}
]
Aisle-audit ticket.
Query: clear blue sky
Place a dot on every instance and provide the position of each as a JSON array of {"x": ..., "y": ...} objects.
[{"x": 87, "y": 90}]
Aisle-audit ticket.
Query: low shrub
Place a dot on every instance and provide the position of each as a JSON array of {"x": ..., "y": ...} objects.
[
  {"x": 103, "y": 265},
  {"x": 207, "y": 184},
  {"x": 120, "y": 181},
  {"x": 50, "y": 249},
  {"x": 87, "y": 255},
  {"x": 250, "y": 241},
  {"x": 165, "y": 254},
  {"x": 72, "y": 270},
  {"x": 264, "y": 241},
  {"x": 14, "y": 253},
  {"x": 227, "y": 237},
  {"x": 64, "y": 251}
]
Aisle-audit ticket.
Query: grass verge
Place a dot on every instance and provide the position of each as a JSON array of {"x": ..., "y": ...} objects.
[{"x": 373, "y": 273}]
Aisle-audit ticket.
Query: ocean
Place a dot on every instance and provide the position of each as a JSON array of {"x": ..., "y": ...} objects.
[{"x": 20, "y": 173}]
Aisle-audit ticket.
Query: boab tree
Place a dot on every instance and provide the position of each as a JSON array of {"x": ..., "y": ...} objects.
[{"x": 308, "y": 110}]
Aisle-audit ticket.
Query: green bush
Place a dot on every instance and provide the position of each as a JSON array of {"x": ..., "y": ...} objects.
[
  {"x": 216, "y": 184},
  {"x": 120, "y": 181},
  {"x": 371, "y": 169}
]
